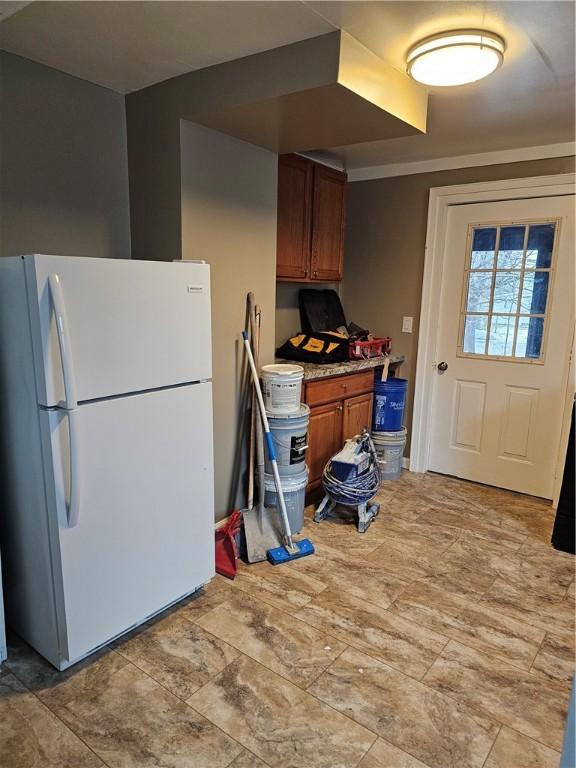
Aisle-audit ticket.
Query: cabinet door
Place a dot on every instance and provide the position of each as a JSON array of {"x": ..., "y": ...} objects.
[
  {"x": 324, "y": 438},
  {"x": 328, "y": 218},
  {"x": 357, "y": 414},
  {"x": 295, "y": 175}
]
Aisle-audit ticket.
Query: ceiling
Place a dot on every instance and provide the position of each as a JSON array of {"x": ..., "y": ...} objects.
[{"x": 126, "y": 46}]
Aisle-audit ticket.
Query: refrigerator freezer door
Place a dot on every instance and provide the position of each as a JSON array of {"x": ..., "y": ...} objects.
[
  {"x": 132, "y": 325},
  {"x": 145, "y": 530}
]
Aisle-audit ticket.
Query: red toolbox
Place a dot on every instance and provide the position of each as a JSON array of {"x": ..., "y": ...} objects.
[{"x": 360, "y": 350}]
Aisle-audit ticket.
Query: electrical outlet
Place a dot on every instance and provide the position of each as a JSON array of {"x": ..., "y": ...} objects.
[{"x": 407, "y": 324}]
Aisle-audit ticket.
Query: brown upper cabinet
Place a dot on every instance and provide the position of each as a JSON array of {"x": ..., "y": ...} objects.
[{"x": 311, "y": 219}]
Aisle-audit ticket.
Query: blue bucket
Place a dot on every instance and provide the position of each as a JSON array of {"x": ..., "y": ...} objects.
[{"x": 389, "y": 402}]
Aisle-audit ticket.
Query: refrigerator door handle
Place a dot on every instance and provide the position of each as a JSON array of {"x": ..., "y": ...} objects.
[
  {"x": 74, "y": 503},
  {"x": 70, "y": 405},
  {"x": 63, "y": 341}
]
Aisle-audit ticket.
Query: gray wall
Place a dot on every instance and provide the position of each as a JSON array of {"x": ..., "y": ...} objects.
[
  {"x": 228, "y": 217},
  {"x": 63, "y": 164},
  {"x": 385, "y": 239}
]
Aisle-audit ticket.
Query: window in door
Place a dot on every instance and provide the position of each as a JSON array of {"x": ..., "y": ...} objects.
[{"x": 507, "y": 284}]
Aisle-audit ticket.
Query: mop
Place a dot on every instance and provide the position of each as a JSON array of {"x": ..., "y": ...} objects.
[
  {"x": 292, "y": 550},
  {"x": 261, "y": 526}
]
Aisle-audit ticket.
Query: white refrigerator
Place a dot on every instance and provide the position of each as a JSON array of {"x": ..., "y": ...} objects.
[{"x": 107, "y": 512}]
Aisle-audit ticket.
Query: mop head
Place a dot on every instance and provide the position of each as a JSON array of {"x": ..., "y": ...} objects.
[{"x": 280, "y": 555}]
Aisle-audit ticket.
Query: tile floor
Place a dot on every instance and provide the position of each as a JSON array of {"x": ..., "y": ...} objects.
[{"x": 441, "y": 638}]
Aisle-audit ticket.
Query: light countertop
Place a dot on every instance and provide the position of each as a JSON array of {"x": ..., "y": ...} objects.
[{"x": 323, "y": 370}]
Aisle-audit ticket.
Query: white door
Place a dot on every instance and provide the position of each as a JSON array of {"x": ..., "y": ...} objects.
[
  {"x": 133, "y": 325},
  {"x": 506, "y": 319},
  {"x": 145, "y": 530}
]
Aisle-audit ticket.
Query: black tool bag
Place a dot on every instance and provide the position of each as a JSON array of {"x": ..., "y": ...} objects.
[
  {"x": 320, "y": 310},
  {"x": 315, "y": 348}
]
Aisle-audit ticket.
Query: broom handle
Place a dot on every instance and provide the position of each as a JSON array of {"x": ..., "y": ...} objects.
[
  {"x": 270, "y": 444},
  {"x": 252, "y": 325},
  {"x": 259, "y": 433}
]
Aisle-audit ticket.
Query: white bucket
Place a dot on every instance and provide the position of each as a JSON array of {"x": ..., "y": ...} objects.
[
  {"x": 390, "y": 450},
  {"x": 294, "y": 489},
  {"x": 282, "y": 387},
  {"x": 290, "y": 437}
]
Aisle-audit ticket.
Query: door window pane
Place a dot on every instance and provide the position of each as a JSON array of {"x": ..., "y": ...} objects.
[
  {"x": 529, "y": 338},
  {"x": 475, "y": 329},
  {"x": 479, "y": 288},
  {"x": 534, "y": 293},
  {"x": 508, "y": 278},
  {"x": 511, "y": 250},
  {"x": 483, "y": 245},
  {"x": 506, "y": 289},
  {"x": 501, "y": 341},
  {"x": 540, "y": 246}
]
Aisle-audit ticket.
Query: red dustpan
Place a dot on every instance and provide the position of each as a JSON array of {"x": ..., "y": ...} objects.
[{"x": 226, "y": 550}]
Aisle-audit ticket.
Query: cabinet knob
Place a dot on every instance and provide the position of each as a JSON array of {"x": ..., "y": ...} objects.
[
  {"x": 315, "y": 273},
  {"x": 339, "y": 408}
]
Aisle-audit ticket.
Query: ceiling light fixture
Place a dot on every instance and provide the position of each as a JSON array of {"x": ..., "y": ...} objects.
[{"x": 455, "y": 58}]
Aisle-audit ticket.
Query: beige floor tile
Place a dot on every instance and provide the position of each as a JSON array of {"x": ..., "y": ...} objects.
[
  {"x": 420, "y": 532},
  {"x": 247, "y": 760},
  {"x": 384, "y": 755},
  {"x": 540, "y": 559},
  {"x": 512, "y": 750},
  {"x": 38, "y": 675},
  {"x": 282, "y": 724},
  {"x": 473, "y": 552},
  {"x": 472, "y": 624},
  {"x": 131, "y": 721},
  {"x": 481, "y": 523},
  {"x": 547, "y": 612},
  {"x": 451, "y": 497},
  {"x": 208, "y": 597},
  {"x": 468, "y": 566},
  {"x": 177, "y": 653},
  {"x": 555, "y": 658},
  {"x": 358, "y": 576},
  {"x": 426, "y": 604},
  {"x": 340, "y": 530},
  {"x": 534, "y": 517},
  {"x": 495, "y": 540},
  {"x": 435, "y": 729},
  {"x": 395, "y": 505},
  {"x": 513, "y": 567},
  {"x": 465, "y": 581},
  {"x": 284, "y": 644},
  {"x": 404, "y": 645},
  {"x": 493, "y": 508},
  {"x": 443, "y": 558},
  {"x": 533, "y": 706},
  {"x": 406, "y": 561},
  {"x": 286, "y": 588},
  {"x": 32, "y": 737}
]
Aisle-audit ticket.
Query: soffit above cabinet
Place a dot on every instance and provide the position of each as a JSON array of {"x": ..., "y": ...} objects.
[{"x": 320, "y": 93}]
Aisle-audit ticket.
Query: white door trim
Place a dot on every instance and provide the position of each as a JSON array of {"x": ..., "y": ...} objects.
[
  {"x": 441, "y": 198},
  {"x": 566, "y": 421}
]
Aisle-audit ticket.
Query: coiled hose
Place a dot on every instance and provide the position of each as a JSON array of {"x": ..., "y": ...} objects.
[{"x": 360, "y": 489}]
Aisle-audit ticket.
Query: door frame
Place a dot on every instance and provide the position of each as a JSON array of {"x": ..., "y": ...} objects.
[{"x": 440, "y": 200}]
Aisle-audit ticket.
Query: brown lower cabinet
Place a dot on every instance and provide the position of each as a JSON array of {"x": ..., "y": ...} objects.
[{"x": 340, "y": 407}]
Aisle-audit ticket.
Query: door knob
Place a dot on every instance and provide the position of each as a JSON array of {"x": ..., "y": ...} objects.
[{"x": 442, "y": 366}]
